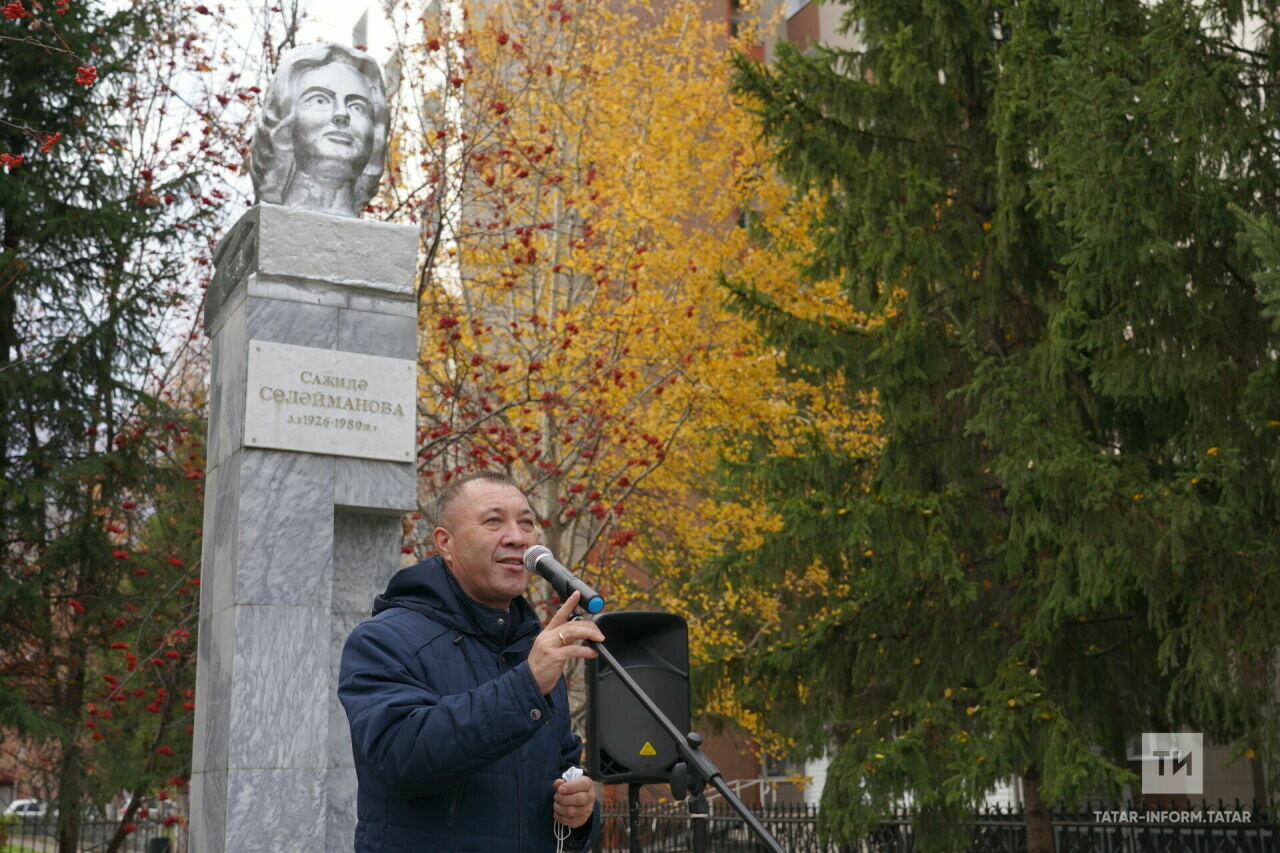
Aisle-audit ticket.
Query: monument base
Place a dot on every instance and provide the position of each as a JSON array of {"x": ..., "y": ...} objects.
[{"x": 297, "y": 541}]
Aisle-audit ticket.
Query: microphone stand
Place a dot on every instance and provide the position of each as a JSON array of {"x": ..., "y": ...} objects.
[{"x": 695, "y": 771}]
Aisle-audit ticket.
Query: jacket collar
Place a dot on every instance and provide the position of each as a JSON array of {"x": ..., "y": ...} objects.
[{"x": 431, "y": 589}]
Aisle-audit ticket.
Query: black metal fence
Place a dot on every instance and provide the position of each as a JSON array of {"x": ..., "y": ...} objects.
[
  {"x": 1206, "y": 828},
  {"x": 665, "y": 828},
  {"x": 41, "y": 836}
]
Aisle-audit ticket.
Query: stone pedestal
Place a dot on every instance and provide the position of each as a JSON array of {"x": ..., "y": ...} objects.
[{"x": 310, "y": 466}]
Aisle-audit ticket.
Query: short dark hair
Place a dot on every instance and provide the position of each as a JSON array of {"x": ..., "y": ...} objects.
[{"x": 446, "y": 496}]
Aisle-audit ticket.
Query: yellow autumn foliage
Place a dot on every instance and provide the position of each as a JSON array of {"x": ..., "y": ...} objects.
[{"x": 581, "y": 175}]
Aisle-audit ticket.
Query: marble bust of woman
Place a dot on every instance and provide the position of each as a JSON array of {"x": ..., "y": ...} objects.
[{"x": 321, "y": 140}]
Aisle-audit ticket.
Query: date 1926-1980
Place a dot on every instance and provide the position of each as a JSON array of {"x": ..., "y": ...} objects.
[{"x": 332, "y": 423}]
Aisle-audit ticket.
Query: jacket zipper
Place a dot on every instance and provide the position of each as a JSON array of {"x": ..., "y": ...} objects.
[
  {"x": 519, "y": 794},
  {"x": 455, "y": 804},
  {"x": 457, "y": 641}
]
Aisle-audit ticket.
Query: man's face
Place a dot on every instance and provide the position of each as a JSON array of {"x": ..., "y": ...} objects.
[
  {"x": 333, "y": 122},
  {"x": 483, "y": 539}
]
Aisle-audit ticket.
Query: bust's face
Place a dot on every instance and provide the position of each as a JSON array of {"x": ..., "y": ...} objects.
[{"x": 333, "y": 122}]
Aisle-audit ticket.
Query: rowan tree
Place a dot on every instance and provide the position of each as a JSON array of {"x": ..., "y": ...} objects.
[
  {"x": 583, "y": 177},
  {"x": 579, "y": 175},
  {"x": 1068, "y": 533}
]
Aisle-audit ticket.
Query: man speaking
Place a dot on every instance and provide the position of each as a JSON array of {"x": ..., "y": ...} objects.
[{"x": 459, "y": 714}]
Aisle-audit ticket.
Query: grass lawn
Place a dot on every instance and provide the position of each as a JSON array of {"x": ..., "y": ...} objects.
[{"x": 15, "y": 848}]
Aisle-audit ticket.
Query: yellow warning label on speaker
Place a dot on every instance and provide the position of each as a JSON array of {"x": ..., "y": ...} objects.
[{"x": 648, "y": 749}]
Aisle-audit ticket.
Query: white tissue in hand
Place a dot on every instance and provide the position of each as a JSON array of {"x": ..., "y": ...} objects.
[{"x": 572, "y": 774}]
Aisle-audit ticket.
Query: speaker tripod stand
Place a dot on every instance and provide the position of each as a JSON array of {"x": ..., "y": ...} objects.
[{"x": 690, "y": 776}]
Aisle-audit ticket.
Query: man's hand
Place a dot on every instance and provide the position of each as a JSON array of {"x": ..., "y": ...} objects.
[
  {"x": 574, "y": 801},
  {"x": 558, "y": 642}
]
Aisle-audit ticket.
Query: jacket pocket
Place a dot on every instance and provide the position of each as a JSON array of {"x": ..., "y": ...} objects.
[{"x": 455, "y": 803}]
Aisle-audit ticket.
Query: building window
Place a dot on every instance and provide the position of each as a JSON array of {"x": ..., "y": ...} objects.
[{"x": 783, "y": 768}]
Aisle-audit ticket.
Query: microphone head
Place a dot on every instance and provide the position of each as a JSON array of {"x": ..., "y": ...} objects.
[{"x": 533, "y": 555}]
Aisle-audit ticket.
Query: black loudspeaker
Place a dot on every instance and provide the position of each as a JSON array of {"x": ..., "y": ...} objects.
[{"x": 624, "y": 742}]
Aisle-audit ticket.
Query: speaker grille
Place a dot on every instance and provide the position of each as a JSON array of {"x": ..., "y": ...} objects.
[{"x": 624, "y": 742}]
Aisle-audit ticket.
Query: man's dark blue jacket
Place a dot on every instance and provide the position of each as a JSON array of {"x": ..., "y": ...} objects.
[{"x": 455, "y": 746}]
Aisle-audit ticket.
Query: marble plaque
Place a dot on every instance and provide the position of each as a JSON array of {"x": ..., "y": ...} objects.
[{"x": 329, "y": 401}]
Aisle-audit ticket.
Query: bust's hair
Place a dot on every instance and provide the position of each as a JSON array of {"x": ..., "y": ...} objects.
[{"x": 271, "y": 160}]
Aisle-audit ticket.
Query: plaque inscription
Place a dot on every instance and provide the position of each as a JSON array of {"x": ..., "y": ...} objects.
[{"x": 327, "y": 401}]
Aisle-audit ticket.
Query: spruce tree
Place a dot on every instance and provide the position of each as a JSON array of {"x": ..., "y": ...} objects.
[{"x": 1070, "y": 533}]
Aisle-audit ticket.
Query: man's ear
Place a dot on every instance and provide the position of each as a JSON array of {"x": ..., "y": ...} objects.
[{"x": 443, "y": 542}]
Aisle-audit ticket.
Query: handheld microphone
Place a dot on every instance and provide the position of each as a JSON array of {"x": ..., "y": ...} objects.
[{"x": 539, "y": 560}]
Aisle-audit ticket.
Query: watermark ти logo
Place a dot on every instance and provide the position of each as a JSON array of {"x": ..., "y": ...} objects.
[{"x": 1172, "y": 763}]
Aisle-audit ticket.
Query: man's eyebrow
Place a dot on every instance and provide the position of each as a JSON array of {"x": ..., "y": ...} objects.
[
  {"x": 318, "y": 88},
  {"x": 500, "y": 510}
]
